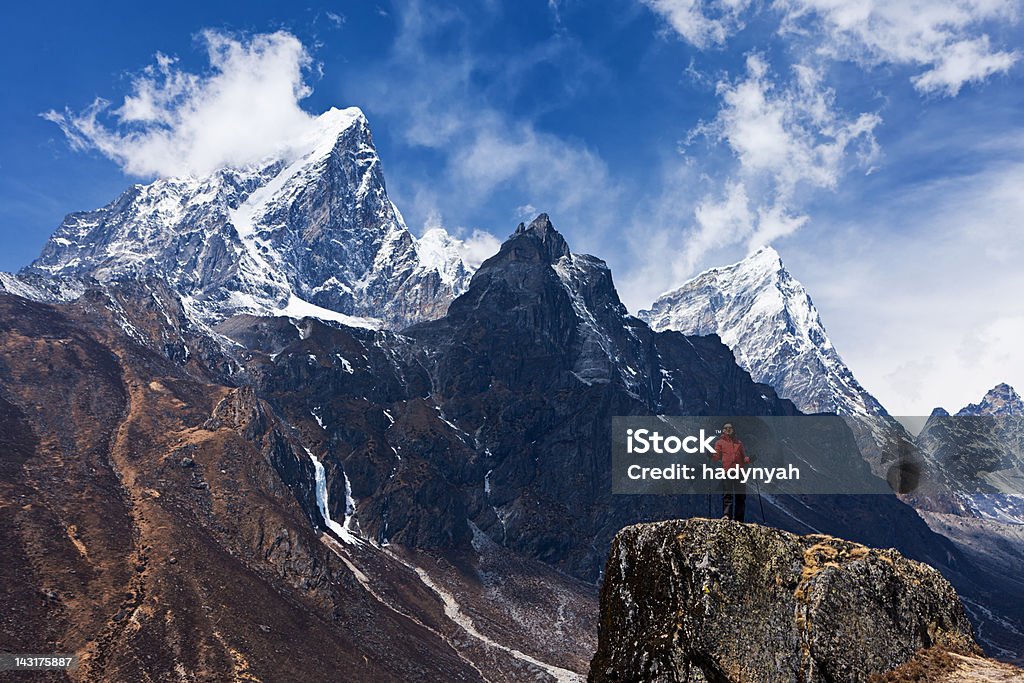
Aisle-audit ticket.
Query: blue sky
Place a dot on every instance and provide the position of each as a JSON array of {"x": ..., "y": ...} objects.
[{"x": 879, "y": 146}]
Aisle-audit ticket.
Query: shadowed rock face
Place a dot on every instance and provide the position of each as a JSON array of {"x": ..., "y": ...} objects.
[{"x": 703, "y": 600}]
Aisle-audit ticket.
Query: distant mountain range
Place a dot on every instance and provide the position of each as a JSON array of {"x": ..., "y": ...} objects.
[
  {"x": 768, "y": 320},
  {"x": 252, "y": 407},
  {"x": 978, "y": 455}
]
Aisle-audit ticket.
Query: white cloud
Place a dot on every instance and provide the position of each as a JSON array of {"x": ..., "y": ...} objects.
[
  {"x": 793, "y": 134},
  {"x": 174, "y": 123},
  {"x": 497, "y": 152},
  {"x": 703, "y": 23},
  {"x": 479, "y": 246},
  {"x": 945, "y": 38},
  {"x": 784, "y": 139},
  {"x": 719, "y": 222},
  {"x": 942, "y": 36},
  {"x": 433, "y": 221},
  {"x": 963, "y": 62},
  {"x": 774, "y": 222},
  {"x": 487, "y": 156},
  {"x": 474, "y": 250}
]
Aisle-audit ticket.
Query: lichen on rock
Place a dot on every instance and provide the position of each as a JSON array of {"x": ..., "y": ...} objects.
[{"x": 714, "y": 600}]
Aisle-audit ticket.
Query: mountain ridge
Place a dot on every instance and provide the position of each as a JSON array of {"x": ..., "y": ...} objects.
[
  {"x": 474, "y": 445},
  {"x": 280, "y": 236},
  {"x": 1000, "y": 400}
]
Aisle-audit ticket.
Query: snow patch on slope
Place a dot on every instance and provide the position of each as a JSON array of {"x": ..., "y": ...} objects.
[{"x": 299, "y": 308}]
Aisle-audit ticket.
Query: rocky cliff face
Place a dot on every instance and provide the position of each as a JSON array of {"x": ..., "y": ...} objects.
[
  {"x": 702, "y": 600},
  {"x": 316, "y": 234},
  {"x": 538, "y": 414}
]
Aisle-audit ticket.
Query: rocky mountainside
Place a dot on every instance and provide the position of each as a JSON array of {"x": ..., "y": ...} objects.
[
  {"x": 439, "y": 433},
  {"x": 1001, "y": 400},
  {"x": 978, "y": 457},
  {"x": 702, "y": 600},
  {"x": 157, "y": 519},
  {"x": 446, "y": 487},
  {"x": 310, "y": 235},
  {"x": 769, "y": 321}
]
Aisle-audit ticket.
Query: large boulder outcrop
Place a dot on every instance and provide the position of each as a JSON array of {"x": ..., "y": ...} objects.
[{"x": 715, "y": 600}]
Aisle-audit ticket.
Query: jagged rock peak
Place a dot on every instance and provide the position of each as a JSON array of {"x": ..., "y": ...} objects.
[
  {"x": 715, "y": 600},
  {"x": 552, "y": 246},
  {"x": 1001, "y": 399},
  {"x": 312, "y": 232},
  {"x": 768, "y": 320}
]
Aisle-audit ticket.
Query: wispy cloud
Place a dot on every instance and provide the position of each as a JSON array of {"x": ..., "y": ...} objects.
[
  {"x": 474, "y": 249},
  {"x": 963, "y": 62},
  {"x": 703, "y": 23},
  {"x": 945, "y": 38},
  {"x": 477, "y": 247},
  {"x": 244, "y": 108},
  {"x": 784, "y": 138},
  {"x": 793, "y": 133},
  {"x": 433, "y": 100}
]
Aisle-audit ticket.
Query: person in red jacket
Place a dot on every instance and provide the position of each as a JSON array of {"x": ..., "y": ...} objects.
[{"x": 729, "y": 450}]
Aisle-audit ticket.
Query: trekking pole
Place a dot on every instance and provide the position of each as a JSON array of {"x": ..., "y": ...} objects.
[{"x": 760, "y": 501}]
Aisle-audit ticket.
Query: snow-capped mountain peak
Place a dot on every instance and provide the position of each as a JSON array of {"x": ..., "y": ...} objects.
[
  {"x": 312, "y": 230},
  {"x": 1001, "y": 400},
  {"x": 321, "y": 141},
  {"x": 768, "y": 319},
  {"x": 442, "y": 252}
]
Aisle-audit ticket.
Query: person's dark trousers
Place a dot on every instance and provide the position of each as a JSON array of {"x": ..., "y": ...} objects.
[{"x": 734, "y": 500}]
